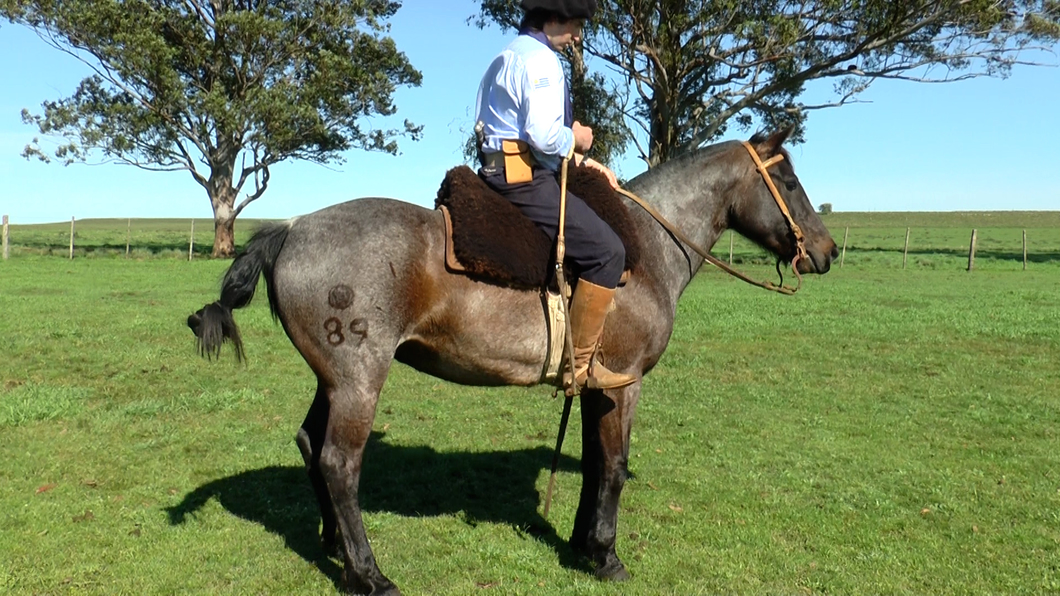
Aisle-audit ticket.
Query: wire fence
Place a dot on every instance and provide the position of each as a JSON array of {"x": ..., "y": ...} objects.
[
  {"x": 948, "y": 244},
  {"x": 186, "y": 239}
]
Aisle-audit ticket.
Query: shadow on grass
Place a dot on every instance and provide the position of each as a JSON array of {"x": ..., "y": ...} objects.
[{"x": 495, "y": 487}]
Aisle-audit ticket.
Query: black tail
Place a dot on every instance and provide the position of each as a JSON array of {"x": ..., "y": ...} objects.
[{"x": 213, "y": 324}]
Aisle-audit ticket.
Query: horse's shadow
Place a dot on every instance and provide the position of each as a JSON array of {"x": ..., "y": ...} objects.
[{"x": 497, "y": 486}]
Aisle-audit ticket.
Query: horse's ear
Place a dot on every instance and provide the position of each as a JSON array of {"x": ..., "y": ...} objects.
[{"x": 771, "y": 145}]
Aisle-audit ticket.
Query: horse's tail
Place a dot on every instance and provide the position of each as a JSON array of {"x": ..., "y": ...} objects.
[{"x": 213, "y": 324}]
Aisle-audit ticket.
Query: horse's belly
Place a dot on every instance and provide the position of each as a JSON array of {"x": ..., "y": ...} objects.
[{"x": 486, "y": 336}]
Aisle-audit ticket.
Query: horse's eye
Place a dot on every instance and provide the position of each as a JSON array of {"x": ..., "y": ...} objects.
[{"x": 791, "y": 184}]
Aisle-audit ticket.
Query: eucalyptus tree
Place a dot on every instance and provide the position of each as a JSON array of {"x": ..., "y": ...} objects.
[
  {"x": 223, "y": 89},
  {"x": 693, "y": 68}
]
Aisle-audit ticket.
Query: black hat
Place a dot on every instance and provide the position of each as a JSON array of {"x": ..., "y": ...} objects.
[{"x": 568, "y": 9}]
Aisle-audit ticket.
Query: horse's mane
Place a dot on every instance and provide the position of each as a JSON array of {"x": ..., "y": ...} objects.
[{"x": 702, "y": 155}]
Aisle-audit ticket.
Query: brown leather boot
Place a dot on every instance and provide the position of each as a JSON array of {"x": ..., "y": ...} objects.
[{"x": 587, "y": 313}]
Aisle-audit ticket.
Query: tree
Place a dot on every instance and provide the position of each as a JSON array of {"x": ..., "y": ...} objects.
[
  {"x": 698, "y": 66},
  {"x": 223, "y": 89},
  {"x": 825, "y": 209}
]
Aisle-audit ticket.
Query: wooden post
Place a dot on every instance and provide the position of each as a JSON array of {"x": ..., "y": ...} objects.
[
  {"x": 843, "y": 255},
  {"x": 71, "y": 237},
  {"x": 191, "y": 241},
  {"x": 971, "y": 251},
  {"x": 731, "y": 234},
  {"x": 1024, "y": 246},
  {"x": 6, "y": 243},
  {"x": 905, "y": 251},
  {"x": 128, "y": 237}
]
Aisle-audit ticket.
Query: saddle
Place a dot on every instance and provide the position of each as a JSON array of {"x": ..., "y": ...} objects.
[{"x": 489, "y": 239}]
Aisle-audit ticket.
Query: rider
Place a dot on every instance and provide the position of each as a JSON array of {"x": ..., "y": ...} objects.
[{"x": 524, "y": 108}]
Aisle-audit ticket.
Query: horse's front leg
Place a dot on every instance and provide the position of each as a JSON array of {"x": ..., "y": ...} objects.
[{"x": 606, "y": 419}]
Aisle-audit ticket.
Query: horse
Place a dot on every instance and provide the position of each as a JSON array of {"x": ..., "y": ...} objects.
[{"x": 359, "y": 284}]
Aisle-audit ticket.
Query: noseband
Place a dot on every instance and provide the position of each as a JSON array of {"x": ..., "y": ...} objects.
[{"x": 800, "y": 239}]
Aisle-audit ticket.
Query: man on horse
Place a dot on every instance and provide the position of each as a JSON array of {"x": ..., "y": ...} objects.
[{"x": 528, "y": 129}]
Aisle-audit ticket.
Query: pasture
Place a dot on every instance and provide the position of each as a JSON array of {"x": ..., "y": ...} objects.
[{"x": 884, "y": 431}]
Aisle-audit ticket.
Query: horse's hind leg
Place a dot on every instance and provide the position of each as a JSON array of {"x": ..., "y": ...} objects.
[
  {"x": 351, "y": 411},
  {"x": 605, "y": 454},
  {"x": 310, "y": 440}
]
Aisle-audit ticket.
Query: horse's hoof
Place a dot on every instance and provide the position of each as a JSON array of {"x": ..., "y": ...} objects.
[
  {"x": 390, "y": 590},
  {"x": 380, "y": 588},
  {"x": 615, "y": 572}
]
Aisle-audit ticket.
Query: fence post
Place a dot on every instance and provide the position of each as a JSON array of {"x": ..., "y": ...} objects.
[
  {"x": 128, "y": 237},
  {"x": 843, "y": 256},
  {"x": 1024, "y": 246},
  {"x": 71, "y": 237},
  {"x": 731, "y": 234},
  {"x": 971, "y": 250},
  {"x": 6, "y": 240},
  {"x": 191, "y": 241},
  {"x": 905, "y": 251}
]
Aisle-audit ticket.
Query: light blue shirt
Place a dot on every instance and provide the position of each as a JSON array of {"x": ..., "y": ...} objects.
[{"x": 522, "y": 97}]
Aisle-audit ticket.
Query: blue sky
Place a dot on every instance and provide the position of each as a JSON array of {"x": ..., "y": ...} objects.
[{"x": 984, "y": 144}]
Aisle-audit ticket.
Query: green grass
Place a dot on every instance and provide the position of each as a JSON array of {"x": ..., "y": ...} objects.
[{"x": 883, "y": 432}]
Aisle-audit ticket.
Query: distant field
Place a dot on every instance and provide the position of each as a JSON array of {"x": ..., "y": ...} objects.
[{"x": 876, "y": 240}]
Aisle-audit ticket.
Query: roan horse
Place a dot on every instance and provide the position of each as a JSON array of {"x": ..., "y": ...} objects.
[{"x": 361, "y": 283}]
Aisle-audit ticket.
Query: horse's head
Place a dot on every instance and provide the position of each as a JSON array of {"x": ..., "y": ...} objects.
[{"x": 759, "y": 215}]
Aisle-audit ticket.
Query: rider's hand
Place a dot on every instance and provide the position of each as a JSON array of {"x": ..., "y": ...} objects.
[
  {"x": 592, "y": 163},
  {"x": 583, "y": 137}
]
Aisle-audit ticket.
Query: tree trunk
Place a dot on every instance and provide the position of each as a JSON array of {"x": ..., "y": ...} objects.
[{"x": 224, "y": 220}]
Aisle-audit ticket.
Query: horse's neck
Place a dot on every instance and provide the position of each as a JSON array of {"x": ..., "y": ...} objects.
[{"x": 693, "y": 206}]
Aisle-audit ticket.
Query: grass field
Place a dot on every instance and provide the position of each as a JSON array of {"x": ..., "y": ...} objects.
[{"x": 883, "y": 432}]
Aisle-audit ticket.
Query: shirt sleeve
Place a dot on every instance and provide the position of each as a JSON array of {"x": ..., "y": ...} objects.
[{"x": 542, "y": 107}]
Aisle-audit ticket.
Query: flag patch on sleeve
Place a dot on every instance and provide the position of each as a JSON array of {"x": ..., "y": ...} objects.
[{"x": 541, "y": 83}]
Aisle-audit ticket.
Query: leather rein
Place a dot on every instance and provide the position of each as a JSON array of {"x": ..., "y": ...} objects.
[{"x": 800, "y": 239}]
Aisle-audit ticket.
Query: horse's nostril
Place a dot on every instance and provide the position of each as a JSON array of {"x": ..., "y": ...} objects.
[{"x": 835, "y": 251}]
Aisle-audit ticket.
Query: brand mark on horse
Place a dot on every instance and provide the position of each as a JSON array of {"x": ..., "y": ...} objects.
[{"x": 340, "y": 297}]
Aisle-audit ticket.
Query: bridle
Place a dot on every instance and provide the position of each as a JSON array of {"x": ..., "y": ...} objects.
[{"x": 800, "y": 238}]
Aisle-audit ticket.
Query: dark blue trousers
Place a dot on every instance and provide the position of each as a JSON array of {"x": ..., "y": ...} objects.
[{"x": 593, "y": 248}]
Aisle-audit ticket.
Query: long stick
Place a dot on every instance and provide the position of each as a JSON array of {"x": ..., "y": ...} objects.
[
  {"x": 191, "y": 240},
  {"x": 128, "y": 237},
  {"x": 843, "y": 256},
  {"x": 971, "y": 251},
  {"x": 1024, "y": 246},
  {"x": 6, "y": 240},
  {"x": 569, "y": 391},
  {"x": 71, "y": 237},
  {"x": 905, "y": 251}
]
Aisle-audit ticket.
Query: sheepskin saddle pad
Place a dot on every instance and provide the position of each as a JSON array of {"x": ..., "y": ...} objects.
[{"x": 489, "y": 239}]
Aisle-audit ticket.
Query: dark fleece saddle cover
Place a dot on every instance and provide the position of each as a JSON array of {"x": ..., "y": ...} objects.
[{"x": 495, "y": 242}]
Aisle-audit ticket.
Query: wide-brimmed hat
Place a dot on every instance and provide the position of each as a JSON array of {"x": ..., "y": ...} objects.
[{"x": 568, "y": 9}]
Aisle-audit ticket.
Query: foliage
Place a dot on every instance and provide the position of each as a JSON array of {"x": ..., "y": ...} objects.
[
  {"x": 699, "y": 67},
  {"x": 223, "y": 90},
  {"x": 882, "y": 432},
  {"x": 825, "y": 209}
]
